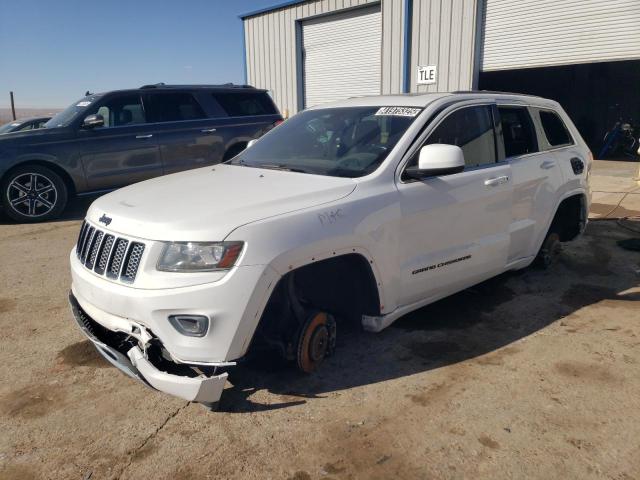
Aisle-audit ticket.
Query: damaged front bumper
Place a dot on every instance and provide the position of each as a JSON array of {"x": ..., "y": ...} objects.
[{"x": 119, "y": 350}]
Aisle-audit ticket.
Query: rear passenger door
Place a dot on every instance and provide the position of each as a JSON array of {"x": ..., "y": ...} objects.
[
  {"x": 186, "y": 136},
  {"x": 535, "y": 176}
]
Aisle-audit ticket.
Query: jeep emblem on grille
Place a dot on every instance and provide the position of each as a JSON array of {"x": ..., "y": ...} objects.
[{"x": 104, "y": 219}]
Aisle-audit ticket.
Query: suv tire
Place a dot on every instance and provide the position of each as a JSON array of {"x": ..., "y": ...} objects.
[
  {"x": 549, "y": 251},
  {"x": 33, "y": 193}
]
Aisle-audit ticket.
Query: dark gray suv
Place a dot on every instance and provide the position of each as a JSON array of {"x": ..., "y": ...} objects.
[{"x": 105, "y": 141}]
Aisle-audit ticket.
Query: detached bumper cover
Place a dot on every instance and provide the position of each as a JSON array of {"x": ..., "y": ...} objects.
[{"x": 201, "y": 389}]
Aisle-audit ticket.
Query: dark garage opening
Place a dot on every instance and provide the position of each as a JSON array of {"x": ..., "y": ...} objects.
[{"x": 595, "y": 95}]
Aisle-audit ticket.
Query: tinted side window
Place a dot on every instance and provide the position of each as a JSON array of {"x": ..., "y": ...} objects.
[
  {"x": 517, "y": 131},
  {"x": 174, "y": 107},
  {"x": 554, "y": 129},
  {"x": 241, "y": 104},
  {"x": 472, "y": 130},
  {"x": 121, "y": 111}
]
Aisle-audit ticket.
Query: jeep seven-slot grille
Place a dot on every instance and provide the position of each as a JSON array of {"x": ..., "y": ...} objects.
[{"x": 116, "y": 257}]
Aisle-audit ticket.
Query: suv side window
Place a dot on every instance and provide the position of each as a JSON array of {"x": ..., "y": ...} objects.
[
  {"x": 173, "y": 107},
  {"x": 517, "y": 131},
  {"x": 242, "y": 104},
  {"x": 554, "y": 129},
  {"x": 122, "y": 110},
  {"x": 471, "y": 129}
]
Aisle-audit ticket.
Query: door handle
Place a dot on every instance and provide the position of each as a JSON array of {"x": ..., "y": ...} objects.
[
  {"x": 547, "y": 164},
  {"x": 493, "y": 182},
  {"x": 208, "y": 130},
  {"x": 145, "y": 136}
]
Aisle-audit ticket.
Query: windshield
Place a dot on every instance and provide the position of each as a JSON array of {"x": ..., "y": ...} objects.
[
  {"x": 65, "y": 117},
  {"x": 7, "y": 127},
  {"x": 339, "y": 142}
]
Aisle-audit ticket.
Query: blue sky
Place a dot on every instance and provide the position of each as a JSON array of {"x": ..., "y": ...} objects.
[{"x": 52, "y": 51}]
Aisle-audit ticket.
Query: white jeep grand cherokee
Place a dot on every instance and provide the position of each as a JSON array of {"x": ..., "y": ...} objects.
[{"x": 358, "y": 211}]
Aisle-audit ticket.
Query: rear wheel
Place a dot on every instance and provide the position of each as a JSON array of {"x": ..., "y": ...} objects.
[
  {"x": 316, "y": 340},
  {"x": 549, "y": 251},
  {"x": 33, "y": 193},
  {"x": 233, "y": 151}
]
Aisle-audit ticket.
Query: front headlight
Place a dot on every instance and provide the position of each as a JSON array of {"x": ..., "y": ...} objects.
[{"x": 199, "y": 256}]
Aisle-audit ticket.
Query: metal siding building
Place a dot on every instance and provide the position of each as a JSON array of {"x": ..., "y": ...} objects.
[{"x": 306, "y": 52}]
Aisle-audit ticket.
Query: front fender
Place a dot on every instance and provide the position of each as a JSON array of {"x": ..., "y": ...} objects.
[{"x": 363, "y": 227}]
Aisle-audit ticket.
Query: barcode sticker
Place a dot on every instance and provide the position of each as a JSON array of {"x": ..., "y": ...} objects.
[{"x": 399, "y": 111}]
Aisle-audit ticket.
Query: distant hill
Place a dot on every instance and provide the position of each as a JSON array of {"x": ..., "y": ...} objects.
[{"x": 5, "y": 113}]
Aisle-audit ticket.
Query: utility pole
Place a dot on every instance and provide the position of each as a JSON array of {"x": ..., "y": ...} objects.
[{"x": 13, "y": 107}]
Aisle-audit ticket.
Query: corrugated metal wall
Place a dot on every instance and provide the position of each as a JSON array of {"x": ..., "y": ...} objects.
[
  {"x": 271, "y": 48},
  {"x": 444, "y": 34},
  {"x": 537, "y": 33},
  {"x": 392, "y": 45}
]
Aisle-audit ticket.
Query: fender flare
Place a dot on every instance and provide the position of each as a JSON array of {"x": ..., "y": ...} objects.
[
  {"x": 562, "y": 198},
  {"x": 289, "y": 261}
]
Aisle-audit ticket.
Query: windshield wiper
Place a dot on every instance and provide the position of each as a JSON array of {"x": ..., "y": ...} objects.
[{"x": 284, "y": 168}]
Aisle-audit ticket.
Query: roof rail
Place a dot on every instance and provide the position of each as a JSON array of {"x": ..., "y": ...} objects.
[
  {"x": 224, "y": 85},
  {"x": 155, "y": 85},
  {"x": 493, "y": 92}
]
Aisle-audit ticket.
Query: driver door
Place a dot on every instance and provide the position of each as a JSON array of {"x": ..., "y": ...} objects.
[
  {"x": 124, "y": 150},
  {"x": 454, "y": 228}
]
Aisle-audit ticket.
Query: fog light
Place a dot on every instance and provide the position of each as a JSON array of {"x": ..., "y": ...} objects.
[{"x": 190, "y": 325}]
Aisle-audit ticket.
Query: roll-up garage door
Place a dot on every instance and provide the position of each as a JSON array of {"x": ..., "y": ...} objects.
[
  {"x": 342, "y": 55},
  {"x": 536, "y": 33}
]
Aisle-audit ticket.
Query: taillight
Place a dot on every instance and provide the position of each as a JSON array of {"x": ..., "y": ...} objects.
[{"x": 277, "y": 122}]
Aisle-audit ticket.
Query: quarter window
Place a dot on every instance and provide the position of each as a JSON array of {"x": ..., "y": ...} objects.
[
  {"x": 471, "y": 129},
  {"x": 122, "y": 111},
  {"x": 517, "y": 131},
  {"x": 174, "y": 107},
  {"x": 554, "y": 129},
  {"x": 241, "y": 104}
]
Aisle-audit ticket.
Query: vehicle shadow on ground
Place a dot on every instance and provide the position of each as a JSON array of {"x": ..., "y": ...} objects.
[
  {"x": 466, "y": 326},
  {"x": 76, "y": 210}
]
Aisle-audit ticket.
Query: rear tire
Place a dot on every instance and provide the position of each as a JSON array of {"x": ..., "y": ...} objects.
[
  {"x": 33, "y": 193},
  {"x": 233, "y": 151},
  {"x": 549, "y": 251}
]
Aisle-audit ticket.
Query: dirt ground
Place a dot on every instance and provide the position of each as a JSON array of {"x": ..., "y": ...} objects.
[{"x": 535, "y": 374}]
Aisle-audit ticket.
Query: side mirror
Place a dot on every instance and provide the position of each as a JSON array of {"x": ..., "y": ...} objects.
[
  {"x": 437, "y": 159},
  {"x": 251, "y": 142},
  {"x": 93, "y": 121}
]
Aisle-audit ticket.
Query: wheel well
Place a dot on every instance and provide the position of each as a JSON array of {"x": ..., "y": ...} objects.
[
  {"x": 66, "y": 178},
  {"x": 234, "y": 150},
  {"x": 570, "y": 218},
  {"x": 343, "y": 286}
]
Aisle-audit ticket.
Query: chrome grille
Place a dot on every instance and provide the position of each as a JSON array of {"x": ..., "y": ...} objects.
[
  {"x": 93, "y": 253},
  {"x": 119, "y": 249},
  {"x": 87, "y": 241},
  {"x": 133, "y": 262},
  {"x": 104, "y": 254},
  {"x": 116, "y": 257}
]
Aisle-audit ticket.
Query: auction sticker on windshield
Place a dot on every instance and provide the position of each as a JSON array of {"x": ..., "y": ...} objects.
[{"x": 399, "y": 111}]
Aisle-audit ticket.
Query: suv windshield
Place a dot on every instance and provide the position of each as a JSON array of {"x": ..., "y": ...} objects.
[
  {"x": 339, "y": 142},
  {"x": 65, "y": 117},
  {"x": 8, "y": 126}
]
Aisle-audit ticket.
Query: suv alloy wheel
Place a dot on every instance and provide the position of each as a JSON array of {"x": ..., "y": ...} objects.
[{"x": 33, "y": 193}]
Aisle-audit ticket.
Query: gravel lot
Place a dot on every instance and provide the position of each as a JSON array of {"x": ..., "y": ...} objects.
[{"x": 535, "y": 374}]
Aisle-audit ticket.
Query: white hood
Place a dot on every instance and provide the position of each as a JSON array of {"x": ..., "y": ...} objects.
[{"x": 208, "y": 203}]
